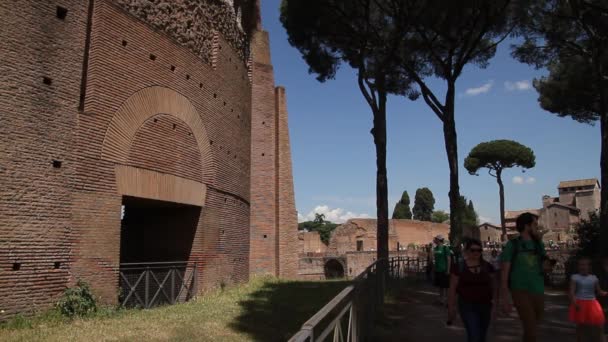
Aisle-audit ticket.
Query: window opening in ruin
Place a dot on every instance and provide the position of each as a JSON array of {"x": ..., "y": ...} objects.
[
  {"x": 124, "y": 43},
  {"x": 62, "y": 12},
  {"x": 57, "y": 265},
  {"x": 152, "y": 57},
  {"x": 56, "y": 164},
  {"x": 16, "y": 266},
  {"x": 47, "y": 80},
  {"x": 173, "y": 68},
  {"x": 333, "y": 269},
  {"x": 359, "y": 245}
]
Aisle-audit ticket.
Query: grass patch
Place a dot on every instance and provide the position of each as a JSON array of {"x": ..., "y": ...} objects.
[{"x": 265, "y": 309}]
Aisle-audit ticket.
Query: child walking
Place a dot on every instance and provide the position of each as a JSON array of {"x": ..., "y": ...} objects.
[{"x": 585, "y": 310}]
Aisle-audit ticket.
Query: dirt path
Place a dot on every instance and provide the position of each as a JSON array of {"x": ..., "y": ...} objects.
[{"x": 413, "y": 317}]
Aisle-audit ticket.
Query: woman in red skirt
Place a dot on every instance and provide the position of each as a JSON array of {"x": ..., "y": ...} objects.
[{"x": 585, "y": 310}]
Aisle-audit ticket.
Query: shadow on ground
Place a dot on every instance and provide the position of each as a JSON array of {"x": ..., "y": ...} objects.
[
  {"x": 410, "y": 315},
  {"x": 278, "y": 309}
]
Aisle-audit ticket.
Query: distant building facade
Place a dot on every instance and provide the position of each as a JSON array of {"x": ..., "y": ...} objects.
[
  {"x": 352, "y": 246},
  {"x": 560, "y": 216}
]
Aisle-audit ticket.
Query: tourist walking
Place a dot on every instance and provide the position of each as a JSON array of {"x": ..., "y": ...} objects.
[
  {"x": 442, "y": 261},
  {"x": 472, "y": 289},
  {"x": 523, "y": 264},
  {"x": 585, "y": 310}
]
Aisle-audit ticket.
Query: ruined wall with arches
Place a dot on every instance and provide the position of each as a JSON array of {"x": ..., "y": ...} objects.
[{"x": 121, "y": 108}]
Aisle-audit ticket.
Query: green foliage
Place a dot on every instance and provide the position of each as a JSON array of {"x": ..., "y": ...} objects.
[
  {"x": 77, "y": 301},
  {"x": 588, "y": 236},
  {"x": 424, "y": 204},
  {"x": 567, "y": 92},
  {"x": 498, "y": 155},
  {"x": 470, "y": 219},
  {"x": 440, "y": 216},
  {"x": 402, "y": 208},
  {"x": 324, "y": 228}
]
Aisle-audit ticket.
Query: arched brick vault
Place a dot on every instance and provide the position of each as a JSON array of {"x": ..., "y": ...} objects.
[{"x": 145, "y": 104}]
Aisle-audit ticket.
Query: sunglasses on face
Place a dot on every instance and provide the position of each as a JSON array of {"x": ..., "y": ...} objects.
[{"x": 475, "y": 250}]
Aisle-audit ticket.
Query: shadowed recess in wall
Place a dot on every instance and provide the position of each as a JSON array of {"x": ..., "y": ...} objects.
[{"x": 278, "y": 310}]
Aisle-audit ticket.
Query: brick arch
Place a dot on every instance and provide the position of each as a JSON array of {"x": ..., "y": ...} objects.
[{"x": 145, "y": 104}]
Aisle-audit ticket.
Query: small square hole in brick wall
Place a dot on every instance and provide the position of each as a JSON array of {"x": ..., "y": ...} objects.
[
  {"x": 47, "y": 80},
  {"x": 210, "y": 142},
  {"x": 222, "y": 232},
  {"x": 224, "y": 103},
  {"x": 174, "y": 126},
  {"x": 200, "y": 85},
  {"x": 263, "y": 154},
  {"x": 155, "y": 120},
  {"x": 16, "y": 266},
  {"x": 57, "y": 164},
  {"x": 62, "y": 12},
  {"x": 173, "y": 68},
  {"x": 225, "y": 200},
  {"x": 153, "y": 57},
  {"x": 231, "y": 110},
  {"x": 265, "y": 236},
  {"x": 214, "y": 95},
  {"x": 263, "y": 122},
  {"x": 124, "y": 43},
  {"x": 219, "y": 47},
  {"x": 57, "y": 265},
  {"x": 187, "y": 77}
]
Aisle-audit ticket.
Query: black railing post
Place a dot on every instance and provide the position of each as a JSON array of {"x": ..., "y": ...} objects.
[
  {"x": 147, "y": 288},
  {"x": 172, "y": 270}
]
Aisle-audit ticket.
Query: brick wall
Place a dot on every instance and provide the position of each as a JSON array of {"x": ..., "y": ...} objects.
[
  {"x": 286, "y": 206},
  {"x": 263, "y": 255},
  {"x": 38, "y": 121},
  {"x": 61, "y": 224},
  {"x": 99, "y": 95}
]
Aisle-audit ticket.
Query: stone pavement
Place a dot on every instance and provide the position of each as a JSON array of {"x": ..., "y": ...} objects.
[{"x": 412, "y": 316}]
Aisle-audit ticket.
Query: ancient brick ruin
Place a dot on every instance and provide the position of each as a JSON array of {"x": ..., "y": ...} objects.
[{"x": 164, "y": 109}]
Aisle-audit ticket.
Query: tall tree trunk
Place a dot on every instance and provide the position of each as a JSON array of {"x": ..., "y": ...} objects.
[
  {"x": 379, "y": 133},
  {"x": 604, "y": 184},
  {"x": 603, "y": 109},
  {"x": 501, "y": 194},
  {"x": 451, "y": 147}
]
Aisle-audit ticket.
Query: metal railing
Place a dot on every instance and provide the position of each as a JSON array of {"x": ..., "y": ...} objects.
[
  {"x": 349, "y": 316},
  {"x": 151, "y": 284}
]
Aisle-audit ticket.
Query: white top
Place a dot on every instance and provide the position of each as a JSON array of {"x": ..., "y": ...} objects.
[{"x": 585, "y": 286}]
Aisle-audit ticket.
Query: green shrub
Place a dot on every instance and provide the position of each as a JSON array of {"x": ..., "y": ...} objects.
[{"x": 77, "y": 301}]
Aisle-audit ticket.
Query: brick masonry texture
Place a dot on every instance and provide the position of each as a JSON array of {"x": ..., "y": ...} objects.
[
  {"x": 129, "y": 98},
  {"x": 193, "y": 22}
]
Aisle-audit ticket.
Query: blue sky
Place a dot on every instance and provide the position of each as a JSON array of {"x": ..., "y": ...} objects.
[{"x": 333, "y": 152}]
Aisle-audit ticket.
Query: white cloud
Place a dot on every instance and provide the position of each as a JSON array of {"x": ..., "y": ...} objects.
[
  {"x": 336, "y": 215},
  {"x": 518, "y": 180},
  {"x": 479, "y": 90},
  {"x": 521, "y": 180},
  {"x": 518, "y": 85}
]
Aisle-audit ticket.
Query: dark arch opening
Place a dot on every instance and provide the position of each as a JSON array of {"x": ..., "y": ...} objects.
[{"x": 334, "y": 269}]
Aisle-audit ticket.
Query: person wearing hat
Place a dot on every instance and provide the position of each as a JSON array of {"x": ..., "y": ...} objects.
[{"x": 442, "y": 261}]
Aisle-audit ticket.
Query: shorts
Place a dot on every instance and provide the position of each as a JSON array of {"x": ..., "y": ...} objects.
[{"x": 442, "y": 280}]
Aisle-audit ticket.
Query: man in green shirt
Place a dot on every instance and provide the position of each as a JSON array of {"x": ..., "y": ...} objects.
[
  {"x": 442, "y": 263},
  {"x": 522, "y": 274}
]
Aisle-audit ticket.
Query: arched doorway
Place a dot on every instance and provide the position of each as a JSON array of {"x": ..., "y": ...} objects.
[
  {"x": 160, "y": 152},
  {"x": 333, "y": 269}
]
